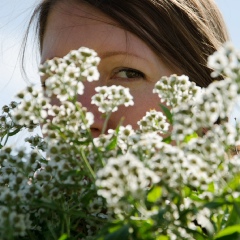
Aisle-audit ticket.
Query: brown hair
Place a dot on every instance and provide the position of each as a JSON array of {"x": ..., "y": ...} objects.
[{"x": 182, "y": 32}]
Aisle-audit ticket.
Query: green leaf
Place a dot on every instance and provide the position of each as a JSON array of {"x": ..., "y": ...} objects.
[
  {"x": 120, "y": 234},
  {"x": 228, "y": 231},
  {"x": 112, "y": 144},
  {"x": 15, "y": 132},
  {"x": 167, "y": 113},
  {"x": 190, "y": 137},
  {"x": 63, "y": 237},
  {"x": 186, "y": 191},
  {"x": 214, "y": 205},
  {"x": 211, "y": 187},
  {"x": 234, "y": 182},
  {"x": 234, "y": 217},
  {"x": 167, "y": 139},
  {"x": 43, "y": 160},
  {"x": 154, "y": 194},
  {"x": 144, "y": 229},
  {"x": 162, "y": 237}
]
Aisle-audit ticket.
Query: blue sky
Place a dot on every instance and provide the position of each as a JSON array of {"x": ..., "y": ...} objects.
[
  {"x": 14, "y": 15},
  {"x": 230, "y": 10}
]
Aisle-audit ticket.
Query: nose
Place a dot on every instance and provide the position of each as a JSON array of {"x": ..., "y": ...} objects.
[{"x": 85, "y": 100}]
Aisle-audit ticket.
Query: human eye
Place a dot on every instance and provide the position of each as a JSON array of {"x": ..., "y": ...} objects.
[{"x": 128, "y": 74}]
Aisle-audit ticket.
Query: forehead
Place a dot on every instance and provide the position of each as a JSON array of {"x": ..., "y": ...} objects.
[{"x": 71, "y": 26}]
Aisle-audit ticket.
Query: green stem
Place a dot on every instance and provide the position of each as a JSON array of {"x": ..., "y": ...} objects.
[
  {"x": 106, "y": 122},
  {"x": 90, "y": 136},
  {"x": 66, "y": 226},
  {"x": 7, "y": 136},
  {"x": 93, "y": 177},
  {"x": 97, "y": 151}
]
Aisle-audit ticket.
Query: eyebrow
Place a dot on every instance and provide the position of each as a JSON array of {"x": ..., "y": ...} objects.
[{"x": 114, "y": 53}]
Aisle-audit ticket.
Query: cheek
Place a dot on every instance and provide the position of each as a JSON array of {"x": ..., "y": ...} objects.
[
  {"x": 146, "y": 103},
  {"x": 133, "y": 114}
]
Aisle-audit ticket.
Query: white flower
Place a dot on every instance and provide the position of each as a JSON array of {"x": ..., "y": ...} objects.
[
  {"x": 225, "y": 61},
  {"x": 65, "y": 75},
  {"x": 33, "y": 107},
  {"x": 168, "y": 163},
  {"x": 203, "y": 217},
  {"x": 154, "y": 121},
  {"x": 123, "y": 176},
  {"x": 215, "y": 102},
  {"x": 175, "y": 90},
  {"x": 145, "y": 145},
  {"x": 91, "y": 74},
  {"x": 108, "y": 99}
]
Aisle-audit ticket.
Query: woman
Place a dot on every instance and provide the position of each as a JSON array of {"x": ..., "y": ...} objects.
[{"x": 138, "y": 42}]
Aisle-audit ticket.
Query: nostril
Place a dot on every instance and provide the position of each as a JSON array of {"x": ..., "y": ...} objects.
[
  {"x": 94, "y": 129},
  {"x": 95, "y": 132}
]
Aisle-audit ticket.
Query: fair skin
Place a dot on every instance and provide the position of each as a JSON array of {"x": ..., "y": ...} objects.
[{"x": 125, "y": 59}]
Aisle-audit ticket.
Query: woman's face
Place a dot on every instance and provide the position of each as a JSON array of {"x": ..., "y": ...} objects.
[{"x": 125, "y": 59}]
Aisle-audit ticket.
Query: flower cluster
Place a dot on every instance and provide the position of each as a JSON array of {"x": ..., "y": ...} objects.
[
  {"x": 212, "y": 105},
  {"x": 121, "y": 177},
  {"x": 175, "y": 177},
  {"x": 145, "y": 145},
  {"x": 71, "y": 119},
  {"x": 33, "y": 107},
  {"x": 37, "y": 142},
  {"x": 108, "y": 99},
  {"x": 65, "y": 75},
  {"x": 7, "y": 125},
  {"x": 154, "y": 121},
  {"x": 16, "y": 173},
  {"x": 176, "y": 90},
  {"x": 226, "y": 61}
]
